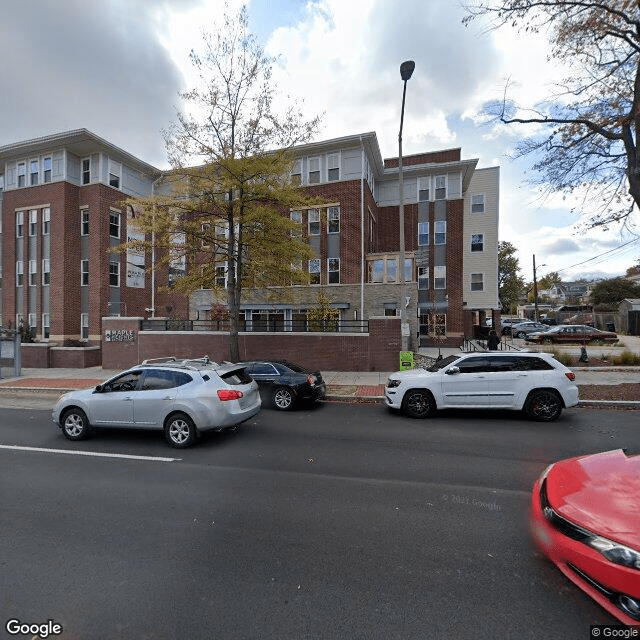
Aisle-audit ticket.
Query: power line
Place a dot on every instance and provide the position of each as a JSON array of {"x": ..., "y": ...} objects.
[{"x": 598, "y": 256}]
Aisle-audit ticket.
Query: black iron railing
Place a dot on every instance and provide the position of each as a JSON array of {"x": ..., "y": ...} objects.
[{"x": 276, "y": 326}]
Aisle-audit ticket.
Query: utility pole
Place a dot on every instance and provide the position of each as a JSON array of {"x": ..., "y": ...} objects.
[{"x": 535, "y": 290}]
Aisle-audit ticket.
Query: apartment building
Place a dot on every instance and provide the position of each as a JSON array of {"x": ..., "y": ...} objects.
[
  {"x": 451, "y": 243},
  {"x": 63, "y": 215}
]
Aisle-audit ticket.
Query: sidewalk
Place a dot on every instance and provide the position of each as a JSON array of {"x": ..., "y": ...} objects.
[{"x": 358, "y": 386}]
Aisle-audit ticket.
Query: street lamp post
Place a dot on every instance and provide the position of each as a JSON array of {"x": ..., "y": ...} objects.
[{"x": 406, "y": 69}]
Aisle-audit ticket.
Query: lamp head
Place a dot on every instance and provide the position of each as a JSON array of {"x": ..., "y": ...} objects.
[{"x": 406, "y": 69}]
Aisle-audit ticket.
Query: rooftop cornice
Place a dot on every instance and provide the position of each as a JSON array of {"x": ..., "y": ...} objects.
[{"x": 80, "y": 141}]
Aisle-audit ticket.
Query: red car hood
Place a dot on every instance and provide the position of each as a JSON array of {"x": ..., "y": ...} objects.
[{"x": 599, "y": 492}]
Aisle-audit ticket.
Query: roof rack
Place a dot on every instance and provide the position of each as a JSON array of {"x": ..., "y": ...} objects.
[{"x": 184, "y": 363}]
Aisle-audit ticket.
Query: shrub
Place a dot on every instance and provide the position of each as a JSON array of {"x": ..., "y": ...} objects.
[
  {"x": 626, "y": 358},
  {"x": 563, "y": 358}
]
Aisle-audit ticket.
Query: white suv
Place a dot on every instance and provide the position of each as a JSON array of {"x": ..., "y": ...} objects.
[{"x": 534, "y": 382}]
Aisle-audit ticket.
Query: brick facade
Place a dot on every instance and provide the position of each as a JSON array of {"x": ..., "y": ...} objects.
[{"x": 352, "y": 176}]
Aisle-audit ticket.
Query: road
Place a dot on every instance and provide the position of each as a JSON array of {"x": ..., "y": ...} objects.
[{"x": 339, "y": 522}]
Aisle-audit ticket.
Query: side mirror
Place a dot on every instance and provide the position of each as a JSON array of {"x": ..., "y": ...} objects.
[
  {"x": 452, "y": 371},
  {"x": 99, "y": 389}
]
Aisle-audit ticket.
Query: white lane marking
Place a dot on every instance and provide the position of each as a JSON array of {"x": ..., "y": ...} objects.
[{"x": 88, "y": 453}]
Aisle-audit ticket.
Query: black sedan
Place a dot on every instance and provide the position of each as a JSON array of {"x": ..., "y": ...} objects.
[{"x": 283, "y": 384}]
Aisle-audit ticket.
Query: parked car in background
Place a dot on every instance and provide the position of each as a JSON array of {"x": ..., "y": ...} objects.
[
  {"x": 534, "y": 382},
  {"x": 523, "y": 329},
  {"x": 549, "y": 321},
  {"x": 283, "y": 384},
  {"x": 572, "y": 333},
  {"x": 506, "y": 324},
  {"x": 181, "y": 397},
  {"x": 584, "y": 517}
]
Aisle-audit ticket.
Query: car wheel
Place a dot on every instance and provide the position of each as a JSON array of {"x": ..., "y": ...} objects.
[
  {"x": 75, "y": 424},
  {"x": 543, "y": 406},
  {"x": 180, "y": 431},
  {"x": 521, "y": 334},
  {"x": 419, "y": 403},
  {"x": 283, "y": 398}
]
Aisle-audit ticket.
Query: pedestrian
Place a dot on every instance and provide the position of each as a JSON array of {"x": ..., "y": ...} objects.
[{"x": 493, "y": 341}]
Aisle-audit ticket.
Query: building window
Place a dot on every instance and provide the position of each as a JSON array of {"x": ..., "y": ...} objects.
[
  {"x": 33, "y": 222},
  {"x": 376, "y": 271},
  {"x": 423, "y": 234},
  {"x": 296, "y": 217},
  {"x": 33, "y": 273},
  {"x": 115, "y": 169},
  {"x": 84, "y": 326},
  {"x": 46, "y": 271},
  {"x": 296, "y": 174},
  {"x": 440, "y": 277},
  {"x": 423, "y": 189},
  {"x": 314, "y": 271},
  {"x": 314, "y": 170},
  {"x": 221, "y": 276},
  {"x": 435, "y": 324},
  {"x": 45, "y": 326},
  {"x": 333, "y": 220},
  {"x": 333, "y": 269},
  {"x": 441, "y": 187},
  {"x": 19, "y": 224},
  {"x": 114, "y": 274},
  {"x": 19, "y": 273},
  {"x": 477, "y": 242},
  {"x": 314, "y": 222},
  {"x": 440, "y": 232},
  {"x": 46, "y": 221},
  {"x": 33, "y": 325},
  {"x": 22, "y": 174},
  {"x": 390, "y": 311},
  {"x": 86, "y": 171},
  {"x": 114, "y": 224},
  {"x": 477, "y": 282},
  {"x": 423, "y": 278},
  {"x": 84, "y": 222},
  {"x": 1, "y": 182},
  {"x": 84, "y": 273},
  {"x": 477, "y": 203},
  {"x": 34, "y": 172},
  {"x": 48, "y": 163},
  {"x": 333, "y": 167}
]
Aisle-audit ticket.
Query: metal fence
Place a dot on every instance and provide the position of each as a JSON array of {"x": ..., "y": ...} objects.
[
  {"x": 10, "y": 352},
  {"x": 270, "y": 326}
]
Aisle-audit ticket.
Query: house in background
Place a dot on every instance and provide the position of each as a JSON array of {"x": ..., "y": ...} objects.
[
  {"x": 63, "y": 215},
  {"x": 568, "y": 292}
]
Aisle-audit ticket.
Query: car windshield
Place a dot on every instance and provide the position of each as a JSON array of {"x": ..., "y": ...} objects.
[{"x": 439, "y": 364}]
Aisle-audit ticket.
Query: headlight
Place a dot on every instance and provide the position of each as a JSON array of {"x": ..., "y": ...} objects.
[
  {"x": 392, "y": 383},
  {"x": 615, "y": 552}
]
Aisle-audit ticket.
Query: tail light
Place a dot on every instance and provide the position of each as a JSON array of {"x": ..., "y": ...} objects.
[
  {"x": 311, "y": 380},
  {"x": 570, "y": 375},
  {"x": 229, "y": 394}
]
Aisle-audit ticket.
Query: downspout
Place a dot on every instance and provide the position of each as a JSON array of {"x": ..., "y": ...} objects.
[{"x": 362, "y": 260}]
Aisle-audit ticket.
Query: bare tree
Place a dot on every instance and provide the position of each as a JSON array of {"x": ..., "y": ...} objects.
[
  {"x": 594, "y": 116},
  {"x": 229, "y": 193}
]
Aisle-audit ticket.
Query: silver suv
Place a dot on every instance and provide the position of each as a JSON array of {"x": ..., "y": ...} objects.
[
  {"x": 534, "y": 382},
  {"x": 182, "y": 397}
]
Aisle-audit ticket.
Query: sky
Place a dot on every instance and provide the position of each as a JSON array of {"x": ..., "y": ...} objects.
[{"x": 116, "y": 67}]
